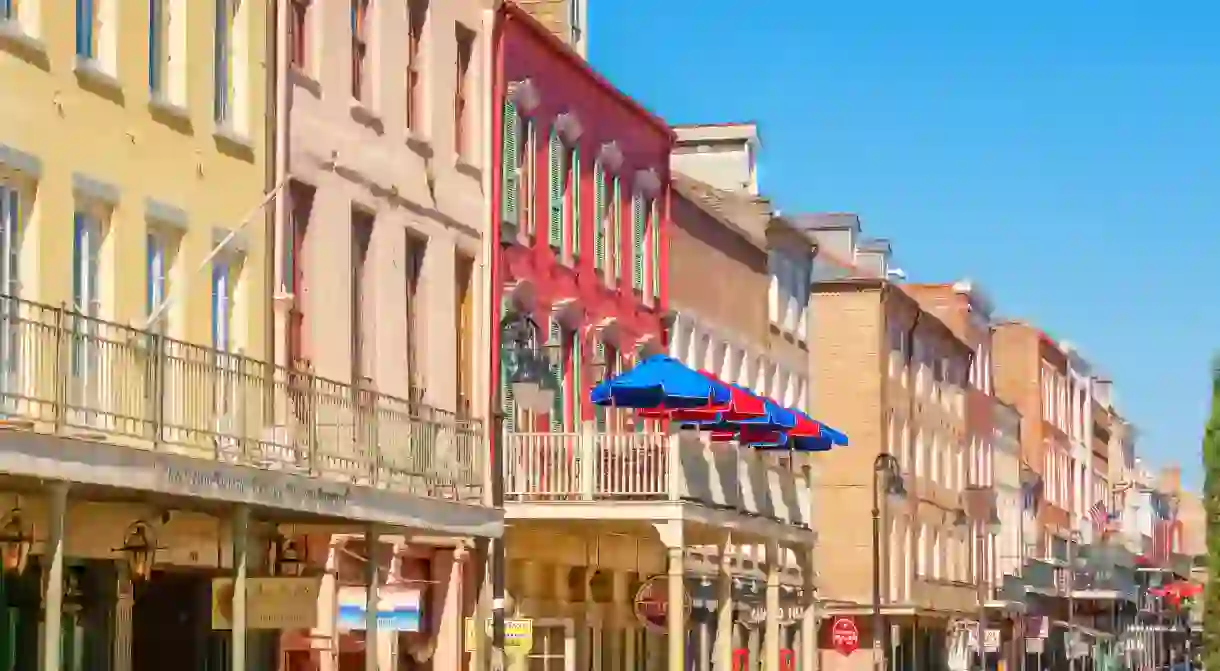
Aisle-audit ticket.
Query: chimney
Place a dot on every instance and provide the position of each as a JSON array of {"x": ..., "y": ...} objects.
[
  {"x": 1102, "y": 391},
  {"x": 722, "y": 155},
  {"x": 835, "y": 232},
  {"x": 873, "y": 257}
]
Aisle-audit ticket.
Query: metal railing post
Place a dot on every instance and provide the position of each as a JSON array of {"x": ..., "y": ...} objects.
[
  {"x": 158, "y": 390},
  {"x": 61, "y": 368}
]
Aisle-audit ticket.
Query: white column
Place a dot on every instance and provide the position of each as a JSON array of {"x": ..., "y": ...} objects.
[
  {"x": 238, "y": 537},
  {"x": 372, "y": 581},
  {"x": 724, "y": 611},
  {"x": 809, "y": 618},
  {"x": 772, "y": 601},
  {"x": 675, "y": 620},
  {"x": 53, "y": 604}
]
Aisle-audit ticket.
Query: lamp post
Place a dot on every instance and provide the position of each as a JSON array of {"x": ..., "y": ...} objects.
[
  {"x": 887, "y": 476},
  {"x": 522, "y": 363}
]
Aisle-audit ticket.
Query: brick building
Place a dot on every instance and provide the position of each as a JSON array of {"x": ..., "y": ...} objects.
[{"x": 893, "y": 375}]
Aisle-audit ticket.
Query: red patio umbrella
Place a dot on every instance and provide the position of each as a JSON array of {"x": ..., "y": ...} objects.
[{"x": 743, "y": 404}]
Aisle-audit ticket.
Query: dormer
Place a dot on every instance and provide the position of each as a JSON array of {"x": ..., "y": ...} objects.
[
  {"x": 722, "y": 155},
  {"x": 835, "y": 232}
]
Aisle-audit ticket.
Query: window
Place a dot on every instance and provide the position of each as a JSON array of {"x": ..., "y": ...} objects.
[
  {"x": 465, "y": 333},
  {"x": 10, "y": 286},
  {"x": 8, "y": 10},
  {"x": 654, "y": 248},
  {"x": 615, "y": 238},
  {"x": 223, "y": 62},
  {"x": 156, "y": 274},
  {"x": 557, "y": 374},
  {"x": 416, "y": 251},
  {"x": 417, "y": 18},
  {"x": 571, "y": 209},
  {"x": 575, "y": 24},
  {"x": 222, "y": 304},
  {"x": 296, "y": 270},
  {"x": 362, "y": 237},
  {"x": 601, "y": 218},
  {"x": 557, "y": 181},
  {"x": 360, "y": 47},
  {"x": 461, "y": 88},
  {"x": 639, "y": 222},
  {"x": 158, "y": 53},
  {"x": 298, "y": 33},
  {"x": 87, "y": 29}
]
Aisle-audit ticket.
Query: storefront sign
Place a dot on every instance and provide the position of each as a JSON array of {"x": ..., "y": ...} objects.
[
  {"x": 398, "y": 608},
  {"x": 248, "y": 484},
  {"x": 652, "y": 603},
  {"x": 271, "y": 603},
  {"x": 844, "y": 636},
  {"x": 758, "y": 615},
  {"x": 518, "y": 635}
]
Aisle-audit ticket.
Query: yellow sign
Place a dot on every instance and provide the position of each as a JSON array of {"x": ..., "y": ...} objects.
[
  {"x": 518, "y": 635},
  {"x": 271, "y": 603}
]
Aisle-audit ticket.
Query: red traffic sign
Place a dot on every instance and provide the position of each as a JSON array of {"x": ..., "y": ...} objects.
[{"x": 844, "y": 636}]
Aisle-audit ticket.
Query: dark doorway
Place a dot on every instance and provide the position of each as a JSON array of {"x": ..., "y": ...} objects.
[{"x": 170, "y": 621}]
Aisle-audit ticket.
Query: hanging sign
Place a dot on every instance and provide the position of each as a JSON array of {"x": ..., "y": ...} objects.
[
  {"x": 652, "y": 603},
  {"x": 844, "y": 636}
]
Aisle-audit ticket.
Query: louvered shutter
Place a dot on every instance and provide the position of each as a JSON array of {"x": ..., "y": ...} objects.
[
  {"x": 638, "y": 222},
  {"x": 508, "y": 404},
  {"x": 10, "y": 219},
  {"x": 599, "y": 216},
  {"x": 511, "y": 151},
  {"x": 555, "y": 339},
  {"x": 555, "y": 183},
  {"x": 616, "y": 230},
  {"x": 599, "y": 412},
  {"x": 578, "y": 391},
  {"x": 574, "y": 185},
  {"x": 655, "y": 251}
]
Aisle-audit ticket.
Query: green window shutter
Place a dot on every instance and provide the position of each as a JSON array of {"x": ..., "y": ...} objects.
[
  {"x": 555, "y": 182},
  {"x": 574, "y": 185},
  {"x": 555, "y": 339},
  {"x": 509, "y": 177},
  {"x": 616, "y": 230},
  {"x": 638, "y": 222},
  {"x": 578, "y": 392},
  {"x": 599, "y": 412},
  {"x": 599, "y": 216},
  {"x": 508, "y": 405},
  {"x": 655, "y": 245}
]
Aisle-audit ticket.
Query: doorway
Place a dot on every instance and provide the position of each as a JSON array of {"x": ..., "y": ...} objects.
[{"x": 170, "y": 622}]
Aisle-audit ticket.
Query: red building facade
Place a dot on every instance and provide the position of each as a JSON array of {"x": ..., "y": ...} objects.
[{"x": 581, "y": 209}]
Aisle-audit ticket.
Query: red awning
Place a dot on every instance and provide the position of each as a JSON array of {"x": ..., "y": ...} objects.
[{"x": 743, "y": 404}]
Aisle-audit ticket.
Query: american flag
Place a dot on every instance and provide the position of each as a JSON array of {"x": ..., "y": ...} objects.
[{"x": 1100, "y": 518}]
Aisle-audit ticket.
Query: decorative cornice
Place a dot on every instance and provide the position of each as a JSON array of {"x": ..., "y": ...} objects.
[
  {"x": 524, "y": 94},
  {"x": 611, "y": 156},
  {"x": 647, "y": 182},
  {"x": 568, "y": 126}
]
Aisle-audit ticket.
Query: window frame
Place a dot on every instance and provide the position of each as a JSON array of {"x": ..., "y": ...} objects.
[
  {"x": 465, "y": 42},
  {"x": 298, "y": 34},
  {"x": 359, "y": 48},
  {"x": 417, "y": 25}
]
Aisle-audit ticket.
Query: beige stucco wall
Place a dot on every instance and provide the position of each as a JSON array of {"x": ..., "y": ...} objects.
[{"x": 363, "y": 155}]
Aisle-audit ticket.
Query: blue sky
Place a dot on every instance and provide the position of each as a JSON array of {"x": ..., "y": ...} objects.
[{"x": 1067, "y": 159}]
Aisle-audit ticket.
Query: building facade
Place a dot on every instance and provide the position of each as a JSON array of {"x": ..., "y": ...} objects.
[
  {"x": 380, "y": 268},
  {"x": 143, "y": 405},
  {"x": 894, "y": 375},
  {"x": 606, "y": 506}
]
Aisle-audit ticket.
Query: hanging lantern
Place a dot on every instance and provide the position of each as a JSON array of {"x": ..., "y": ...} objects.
[
  {"x": 15, "y": 544},
  {"x": 74, "y": 597},
  {"x": 289, "y": 560},
  {"x": 139, "y": 549}
]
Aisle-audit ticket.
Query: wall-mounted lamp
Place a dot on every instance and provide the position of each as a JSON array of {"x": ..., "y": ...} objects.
[
  {"x": 289, "y": 559},
  {"x": 140, "y": 549},
  {"x": 15, "y": 543}
]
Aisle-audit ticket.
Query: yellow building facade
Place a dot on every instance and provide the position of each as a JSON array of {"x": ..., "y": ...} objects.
[{"x": 132, "y": 142}]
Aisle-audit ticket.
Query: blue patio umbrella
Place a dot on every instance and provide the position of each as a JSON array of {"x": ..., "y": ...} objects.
[
  {"x": 777, "y": 419},
  {"x": 660, "y": 382}
]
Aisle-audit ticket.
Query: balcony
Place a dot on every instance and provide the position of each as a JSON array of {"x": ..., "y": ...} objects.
[
  {"x": 627, "y": 467},
  {"x": 67, "y": 376}
]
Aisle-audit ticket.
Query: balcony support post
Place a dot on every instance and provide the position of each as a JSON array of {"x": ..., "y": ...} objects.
[
  {"x": 587, "y": 446},
  {"x": 771, "y": 650},
  {"x": 372, "y": 580},
  {"x": 622, "y": 619},
  {"x": 809, "y": 615},
  {"x": 53, "y": 557},
  {"x": 724, "y": 608},
  {"x": 239, "y": 539},
  {"x": 675, "y": 613}
]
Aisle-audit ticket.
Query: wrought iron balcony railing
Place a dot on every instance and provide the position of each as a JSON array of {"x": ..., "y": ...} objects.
[
  {"x": 68, "y": 374},
  {"x": 611, "y": 467}
]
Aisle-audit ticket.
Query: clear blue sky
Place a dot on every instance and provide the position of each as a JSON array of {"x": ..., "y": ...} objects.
[{"x": 1065, "y": 157}]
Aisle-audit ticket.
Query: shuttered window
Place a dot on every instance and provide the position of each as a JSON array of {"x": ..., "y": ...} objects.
[
  {"x": 599, "y": 412},
  {"x": 654, "y": 244},
  {"x": 600, "y": 223},
  {"x": 555, "y": 339},
  {"x": 510, "y": 139},
  {"x": 574, "y": 218},
  {"x": 555, "y": 181},
  {"x": 508, "y": 404},
  {"x": 616, "y": 231},
  {"x": 578, "y": 392},
  {"x": 638, "y": 223}
]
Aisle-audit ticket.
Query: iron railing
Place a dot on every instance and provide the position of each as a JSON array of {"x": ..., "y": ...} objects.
[{"x": 65, "y": 373}]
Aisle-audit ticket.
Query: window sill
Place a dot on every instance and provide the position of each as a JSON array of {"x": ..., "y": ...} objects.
[
  {"x": 365, "y": 116},
  {"x": 91, "y": 74},
  {"x": 303, "y": 79},
  {"x": 233, "y": 140},
  {"x": 15, "y": 39},
  {"x": 162, "y": 107},
  {"x": 419, "y": 144},
  {"x": 469, "y": 169}
]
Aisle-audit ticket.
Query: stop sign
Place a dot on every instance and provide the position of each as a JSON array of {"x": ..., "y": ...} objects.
[{"x": 844, "y": 636}]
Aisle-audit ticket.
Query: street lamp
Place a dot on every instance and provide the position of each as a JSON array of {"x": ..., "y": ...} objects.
[
  {"x": 523, "y": 362},
  {"x": 887, "y": 476}
]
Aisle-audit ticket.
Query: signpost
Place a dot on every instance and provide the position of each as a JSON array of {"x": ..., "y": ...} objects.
[{"x": 844, "y": 636}]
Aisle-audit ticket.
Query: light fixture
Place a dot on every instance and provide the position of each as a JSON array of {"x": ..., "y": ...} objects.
[
  {"x": 289, "y": 560},
  {"x": 15, "y": 543},
  {"x": 961, "y": 522},
  {"x": 994, "y": 526},
  {"x": 140, "y": 549},
  {"x": 74, "y": 597}
]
